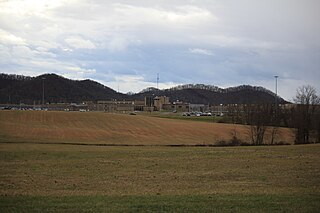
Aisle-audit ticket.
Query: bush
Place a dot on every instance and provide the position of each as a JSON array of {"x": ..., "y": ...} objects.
[
  {"x": 282, "y": 143},
  {"x": 224, "y": 120},
  {"x": 233, "y": 142}
]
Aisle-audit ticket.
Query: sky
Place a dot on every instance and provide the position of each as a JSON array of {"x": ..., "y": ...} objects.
[{"x": 124, "y": 44}]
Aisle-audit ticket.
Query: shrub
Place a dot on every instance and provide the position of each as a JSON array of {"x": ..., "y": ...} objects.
[{"x": 233, "y": 142}]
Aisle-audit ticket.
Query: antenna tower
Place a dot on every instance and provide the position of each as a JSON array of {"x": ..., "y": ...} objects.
[{"x": 158, "y": 80}]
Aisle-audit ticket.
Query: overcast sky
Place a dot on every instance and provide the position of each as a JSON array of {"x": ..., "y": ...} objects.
[{"x": 124, "y": 44}]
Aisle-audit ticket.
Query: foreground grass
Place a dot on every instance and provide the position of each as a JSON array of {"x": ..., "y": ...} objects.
[
  {"x": 80, "y": 178},
  {"x": 200, "y": 203}
]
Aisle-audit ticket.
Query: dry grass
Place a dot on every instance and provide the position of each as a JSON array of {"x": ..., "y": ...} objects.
[
  {"x": 104, "y": 128},
  {"x": 70, "y": 170},
  {"x": 59, "y": 177}
]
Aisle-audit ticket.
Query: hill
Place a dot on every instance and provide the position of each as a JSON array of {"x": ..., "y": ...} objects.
[
  {"x": 28, "y": 90},
  {"x": 17, "y": 88},
  {"x": 207, "y": 94},
  {"x": 117, "y": 129}
]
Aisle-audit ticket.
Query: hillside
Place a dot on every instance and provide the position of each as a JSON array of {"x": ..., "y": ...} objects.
[
  {"x": 206, "y": 94},
  {"x": 22, "y": 89},
  {"x": 116, "y": 129},
  {"x": 16, "y": 89}
]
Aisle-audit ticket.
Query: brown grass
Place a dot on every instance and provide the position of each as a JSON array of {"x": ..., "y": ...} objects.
[
  {"x": 104, "y": 128},
  {"x": 63, "y": 170}
]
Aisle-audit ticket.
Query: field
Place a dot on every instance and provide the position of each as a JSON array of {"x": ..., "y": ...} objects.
[
  {"x": 117, "y": 129},
  {"x": 179, "y": 116},
  {"x": 54, "y": 169}
]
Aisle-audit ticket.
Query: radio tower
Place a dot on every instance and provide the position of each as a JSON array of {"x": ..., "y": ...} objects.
[{"x": 158, "y": 80}]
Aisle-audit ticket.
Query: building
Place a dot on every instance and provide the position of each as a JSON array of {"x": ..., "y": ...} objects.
[
  {"x": 220, "y": 109},
  {"x": 177, "y": 106},
  {"x": 148, "y": 101},
  {"x": 198, "y": 108},
  {"x": 150, "y": 104},
  {"x": 139, "y": 105},
  {"x": 116, "y": 106},
  {"x": 159, "y": 102}
]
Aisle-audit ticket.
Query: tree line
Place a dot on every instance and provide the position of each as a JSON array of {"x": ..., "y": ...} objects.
[{"x": 303, "y": 117}]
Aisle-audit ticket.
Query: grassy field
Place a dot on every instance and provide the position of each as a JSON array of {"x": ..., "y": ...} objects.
[
  {"x": 64, "y": 178},
  {"x": 119, "y": 129},
  {"x": 179, "y": 116},
  {"x": 46, "y": 165}
]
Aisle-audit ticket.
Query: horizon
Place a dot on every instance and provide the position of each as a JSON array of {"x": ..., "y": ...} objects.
[{"x": 126, "y": 45}]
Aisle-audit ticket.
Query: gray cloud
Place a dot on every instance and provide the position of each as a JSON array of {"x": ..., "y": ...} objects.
[{"x": 225, "y": 43}]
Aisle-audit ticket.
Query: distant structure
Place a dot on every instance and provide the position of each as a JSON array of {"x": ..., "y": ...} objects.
[
  {"x": 149, "y": 105},
  {"x": 43, "y": 78},
  {"x": 159, "y": 102},
  {"x": 177, "y": 106},
  {"x": 276, "y": 90},
  {"x": 115, "y": 106},
  {"x": 158, "y": 80}
]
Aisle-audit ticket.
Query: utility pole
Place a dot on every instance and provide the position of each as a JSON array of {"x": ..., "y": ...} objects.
[
  {"x": 276, "y": 98},
  {"x": 276, "y": 77},
  {"x": 43, "y": 78}
]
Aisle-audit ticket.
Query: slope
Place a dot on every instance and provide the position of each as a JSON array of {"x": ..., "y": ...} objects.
[
  {"x": 115, "y": 129},
  {"x": 244, "y": 94},
  {"x": 16, "y": 89}
]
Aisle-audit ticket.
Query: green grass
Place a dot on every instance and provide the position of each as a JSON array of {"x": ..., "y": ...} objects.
[
  {"x": 178, "y": 116},
  {"x": 187, "y": 203},
  {"x": 70, "y": 178}
]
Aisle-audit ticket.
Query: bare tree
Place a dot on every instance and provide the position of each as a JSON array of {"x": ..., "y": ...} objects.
[
  {"x": 259, "y": 117},
  {"x": 306, "y": 95},
  {"x": 304, "y": 114}
]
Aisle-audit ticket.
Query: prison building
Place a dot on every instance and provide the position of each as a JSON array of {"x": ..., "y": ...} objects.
[
  {"x": 116, "y": 106},
  {"x": 159, "y": 101}
]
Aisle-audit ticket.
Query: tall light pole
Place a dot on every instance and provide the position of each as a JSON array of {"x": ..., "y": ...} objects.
[
  {"x": 276, "y": 77},
  {"x": 276, "y": 98},
  {"x": 43, "y": 78}
]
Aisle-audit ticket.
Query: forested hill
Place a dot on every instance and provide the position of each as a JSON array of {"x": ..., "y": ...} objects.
[
  {"x": 207, "y": 94},
  {"x": 17, "y": 88},
  {"x": 22, "y": 89}
]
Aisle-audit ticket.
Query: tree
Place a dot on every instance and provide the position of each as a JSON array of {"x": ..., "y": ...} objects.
[
  {"x": 259, "y": 117},
  {"x": 306, "y": 95},
  {"x": 304, "y": 115}
]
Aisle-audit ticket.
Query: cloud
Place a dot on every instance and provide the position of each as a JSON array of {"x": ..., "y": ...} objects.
[
  {"x": 80, "y": 43},
  {"x": 29, "y": 7},
  {"x": 135, "y": 83},
  {"x": 134, "y": 40},
  {"x": 185, "y": 15},
  {"x": 118, "y": 44},
  {"x": 200, "y": 51},
  {"x": 8, "y": 38}
]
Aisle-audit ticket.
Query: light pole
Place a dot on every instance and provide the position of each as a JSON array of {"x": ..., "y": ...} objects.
[
  {"x": 276, "y": 98},
  {"x": 43, "y": 78}
]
